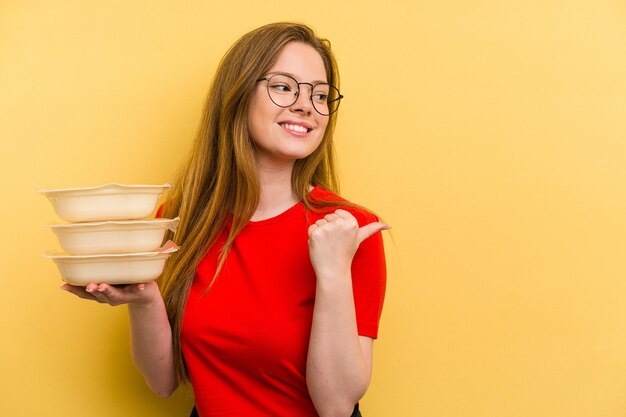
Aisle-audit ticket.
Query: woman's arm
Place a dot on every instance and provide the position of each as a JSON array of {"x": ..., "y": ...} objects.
[
  {"x": 151, "y": 335},
  {"x": 339, "y": 362}
]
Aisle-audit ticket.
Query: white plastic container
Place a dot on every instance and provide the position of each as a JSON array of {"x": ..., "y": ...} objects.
[
  {"x": 105, "y": 202},
  {"x": 127, "y": 268},
  {"x": 113, "y": 236}
]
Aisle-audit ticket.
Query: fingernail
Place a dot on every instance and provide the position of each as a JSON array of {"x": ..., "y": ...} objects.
[
  {"x": 64, "y": 287},
  {"x": 141, "y": 287},
  {"x": 88, "y": 289}
]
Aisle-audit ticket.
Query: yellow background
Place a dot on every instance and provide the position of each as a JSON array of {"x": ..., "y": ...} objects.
[{"x": 490, "y": 135}]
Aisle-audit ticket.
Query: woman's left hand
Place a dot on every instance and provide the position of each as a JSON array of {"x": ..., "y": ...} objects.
[{"x": 334, "y": 240}]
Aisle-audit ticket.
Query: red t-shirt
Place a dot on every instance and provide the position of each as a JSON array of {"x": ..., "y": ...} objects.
[{"x": 245, "y": 341}]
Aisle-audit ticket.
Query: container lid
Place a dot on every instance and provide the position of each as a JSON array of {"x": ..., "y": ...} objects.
[
  {"x": 105, "y": 189},
  {"x": 168, "y": 247},
  {"x": 170, "y": 224}
]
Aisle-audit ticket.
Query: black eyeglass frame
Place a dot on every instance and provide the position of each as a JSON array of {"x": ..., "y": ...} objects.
[{"x": 297, "y": 95}]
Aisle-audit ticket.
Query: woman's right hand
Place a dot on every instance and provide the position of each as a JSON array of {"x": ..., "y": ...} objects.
[{"x": 114, "y": 295}]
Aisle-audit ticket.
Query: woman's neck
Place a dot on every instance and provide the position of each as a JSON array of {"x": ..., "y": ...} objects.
[{"x": 276, "y": 193}]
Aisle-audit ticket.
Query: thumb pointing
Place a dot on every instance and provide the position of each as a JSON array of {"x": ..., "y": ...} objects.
[{"x": 370, "y": 229}]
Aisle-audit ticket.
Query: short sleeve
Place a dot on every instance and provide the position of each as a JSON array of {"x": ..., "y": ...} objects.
[
  {"x": 161, "y": 209},
  {"x": 159, "y": 212},
  {"x": 369, "y": 277}
]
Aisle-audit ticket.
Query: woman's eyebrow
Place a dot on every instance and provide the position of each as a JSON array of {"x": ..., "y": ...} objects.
[{"x": 294, "y": 76}]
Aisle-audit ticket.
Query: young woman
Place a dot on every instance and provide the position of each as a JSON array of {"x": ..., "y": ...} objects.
[{"x": 272, "y": 305}]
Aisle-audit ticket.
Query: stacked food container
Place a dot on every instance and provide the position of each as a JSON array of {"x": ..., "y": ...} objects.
[{"x": 108, "y": 239}]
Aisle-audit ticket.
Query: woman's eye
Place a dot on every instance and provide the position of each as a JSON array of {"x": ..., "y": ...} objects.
[
  {"x": 281, "y": 87},
  {"x": 320, "y": 97}
]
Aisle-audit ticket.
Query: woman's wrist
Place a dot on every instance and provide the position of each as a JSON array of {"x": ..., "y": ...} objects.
[
  {"x": 147, "y": 298},
  {"x": 333, "y": 279}
]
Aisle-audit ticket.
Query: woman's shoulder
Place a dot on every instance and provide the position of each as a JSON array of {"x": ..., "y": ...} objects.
[{"x": 331, "y": 201}]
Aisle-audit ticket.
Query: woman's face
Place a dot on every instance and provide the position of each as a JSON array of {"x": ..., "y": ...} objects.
[{"x": 284, "y": 134}]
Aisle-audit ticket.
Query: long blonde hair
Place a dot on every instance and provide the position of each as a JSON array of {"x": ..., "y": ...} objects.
[{"x": 220, "y": 178}]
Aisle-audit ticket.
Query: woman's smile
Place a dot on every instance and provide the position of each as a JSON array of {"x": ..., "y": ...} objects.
[{"x": 296, "y": 127}]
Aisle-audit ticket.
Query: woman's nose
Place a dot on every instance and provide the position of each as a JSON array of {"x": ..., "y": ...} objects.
[{"x": 303, "y": 103}]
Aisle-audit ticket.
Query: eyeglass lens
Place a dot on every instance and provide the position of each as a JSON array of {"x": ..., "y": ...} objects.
[{"x": 284, "y": 91}]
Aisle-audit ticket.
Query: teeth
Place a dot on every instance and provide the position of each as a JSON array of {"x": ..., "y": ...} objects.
[{"x": 295, "y": 128}]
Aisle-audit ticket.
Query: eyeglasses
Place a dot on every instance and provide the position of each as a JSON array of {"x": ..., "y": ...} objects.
[{"x": 284, "y": 91}]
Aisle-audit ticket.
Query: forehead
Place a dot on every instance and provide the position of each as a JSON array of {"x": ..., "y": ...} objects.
[{"x": 301, "y": 61}]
